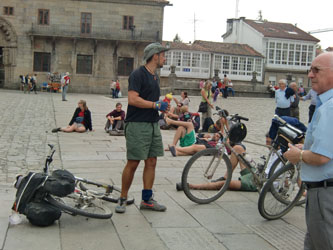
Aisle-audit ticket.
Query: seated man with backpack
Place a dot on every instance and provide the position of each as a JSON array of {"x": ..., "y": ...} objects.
[{"x": 115, "y": 119}]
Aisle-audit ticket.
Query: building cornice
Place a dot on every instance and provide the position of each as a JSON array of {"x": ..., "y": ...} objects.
[{"x": 133, "y": 2}]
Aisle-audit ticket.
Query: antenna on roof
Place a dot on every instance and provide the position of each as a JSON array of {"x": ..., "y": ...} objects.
[
  {"x": 236, "y": 11},
  {"x": 194, "y": 24}
]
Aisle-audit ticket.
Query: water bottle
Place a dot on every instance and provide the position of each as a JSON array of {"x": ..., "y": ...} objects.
[
  {"x": 218, "y": 144},
  {"x": 249, "y": 159}
]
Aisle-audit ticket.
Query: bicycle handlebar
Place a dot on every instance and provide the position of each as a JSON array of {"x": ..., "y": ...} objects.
[
  {"x": 238, "y": 117},
  {"x": 280, "y": 119}
]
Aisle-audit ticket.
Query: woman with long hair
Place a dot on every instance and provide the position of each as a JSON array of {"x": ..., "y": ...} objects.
[
  {"x": 206, "y": 94},
  {"x": 80, "y": 122}
]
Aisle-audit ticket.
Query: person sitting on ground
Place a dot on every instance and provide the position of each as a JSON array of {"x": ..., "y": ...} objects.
[
  {"x": 244, "y": 183},
  {"x": 175, "y": 114},
  {"x": 203, "y": 143},
  {"x": 185, "y": 133},
  {"x": 80, "y": 122},
  {"x": 230, "y": 88},
  {"x": 177, "y": 111},
  {"x": 216, "y": 127},
  {"x": 199, "y": 145},
  {"x": 184, "y": 100},
  {"x": 115, "y": 119}
]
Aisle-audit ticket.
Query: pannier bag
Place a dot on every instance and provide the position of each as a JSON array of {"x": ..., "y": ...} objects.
[
  {"x": 42, "y": 214},
  {"x": 27, "y": 190},
  {"x": 60, "y": 183}
]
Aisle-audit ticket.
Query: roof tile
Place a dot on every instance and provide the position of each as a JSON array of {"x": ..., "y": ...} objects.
[{"x": 207, "y": 46}]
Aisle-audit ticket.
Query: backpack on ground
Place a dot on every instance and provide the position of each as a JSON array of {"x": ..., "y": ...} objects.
[
  {"x": 41, "y": 213},
  {"x": 28, "y": 190},
  {"x": 207, "y": 122},
  {"x": 30, "y": 200},
  {"x": 60, "y": 183}
]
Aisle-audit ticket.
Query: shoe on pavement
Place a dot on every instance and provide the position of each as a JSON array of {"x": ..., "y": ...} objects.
[
  {"x": 55, "y": 130},
  {"x": 152, "y": 205},
  {"x": 172, "y": 149},
  {"x": 219, "y": 179},
  {"x": 179, "y": 186},
  {"x": 121, "y": 207}
]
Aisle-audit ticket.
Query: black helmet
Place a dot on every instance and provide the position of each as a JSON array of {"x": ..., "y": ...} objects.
[{"x": 237, "y": 132}]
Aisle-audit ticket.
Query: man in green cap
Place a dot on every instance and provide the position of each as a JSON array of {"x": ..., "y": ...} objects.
[{"x": 142, "y": 132}]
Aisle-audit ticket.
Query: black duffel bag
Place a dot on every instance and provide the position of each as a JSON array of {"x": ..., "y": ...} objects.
[
  {"x": 60, "y": 183},
  {"x": 42, "y": 214}
]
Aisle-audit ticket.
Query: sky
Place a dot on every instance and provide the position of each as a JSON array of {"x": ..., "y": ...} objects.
[{"x": 211, "y": 17}]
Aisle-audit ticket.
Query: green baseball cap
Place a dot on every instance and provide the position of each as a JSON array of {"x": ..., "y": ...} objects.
[{"x": 152, "y": 49}]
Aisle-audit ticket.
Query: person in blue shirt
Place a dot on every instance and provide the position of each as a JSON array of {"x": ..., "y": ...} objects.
[
  {"x": 316, "y": 157},
  {"x": 283, "y": 99}
]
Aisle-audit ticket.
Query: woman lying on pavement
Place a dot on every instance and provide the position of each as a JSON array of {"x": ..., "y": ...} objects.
[{"x": 81, "y": 120}]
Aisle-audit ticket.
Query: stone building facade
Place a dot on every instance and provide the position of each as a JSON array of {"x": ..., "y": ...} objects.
[{"x": 94, "y": 40}]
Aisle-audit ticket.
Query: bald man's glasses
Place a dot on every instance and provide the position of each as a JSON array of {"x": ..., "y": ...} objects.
[{"x": 315, "y": 70}]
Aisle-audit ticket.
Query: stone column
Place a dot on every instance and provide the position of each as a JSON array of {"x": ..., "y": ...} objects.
[
  {"x": 254, "y": 80},
  {"x": 9, "y": 63},
  {"x": 172, "y": 78}
]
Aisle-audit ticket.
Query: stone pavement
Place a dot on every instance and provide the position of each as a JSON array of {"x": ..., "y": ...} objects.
[{"x": 232, "y": 222}]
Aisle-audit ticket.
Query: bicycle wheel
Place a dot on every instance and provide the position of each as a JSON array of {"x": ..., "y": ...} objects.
[
  {"x": 200, "y": 170},
  {"x": 75, "y": 204},
  {"x": 100, "y": 190},
  {"x": 280, "y": 193},
  {"x": 278, "y": 164}
]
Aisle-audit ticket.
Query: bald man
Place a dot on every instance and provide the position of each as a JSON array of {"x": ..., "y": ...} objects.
[{"x": 316, "y": 158}]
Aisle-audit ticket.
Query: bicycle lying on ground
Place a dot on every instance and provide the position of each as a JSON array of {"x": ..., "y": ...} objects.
[
  {"x": 86, "y": 200},
  {"x": 213, "y": 163}
]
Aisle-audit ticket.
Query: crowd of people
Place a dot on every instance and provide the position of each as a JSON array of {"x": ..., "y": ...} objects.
[
  {"x": 144, "y": 141},
  {"x": 28, "y": 83}
]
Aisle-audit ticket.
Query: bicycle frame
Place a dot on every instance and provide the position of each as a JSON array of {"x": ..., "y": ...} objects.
[{"x": 258, "y": 179}]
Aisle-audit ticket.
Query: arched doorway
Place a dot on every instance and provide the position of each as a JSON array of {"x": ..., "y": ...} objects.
[{"x": 8, "y": 48}]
